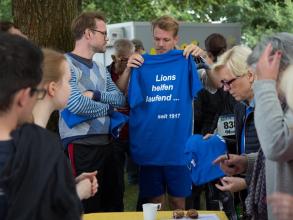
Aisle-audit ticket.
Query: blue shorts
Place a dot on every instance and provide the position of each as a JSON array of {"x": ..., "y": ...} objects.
[{"x": 156, "y": 180}]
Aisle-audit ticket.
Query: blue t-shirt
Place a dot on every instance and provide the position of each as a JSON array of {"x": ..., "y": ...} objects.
[
  {"x": 160, "y": 94},
  {"x": 200, "y": 154}
]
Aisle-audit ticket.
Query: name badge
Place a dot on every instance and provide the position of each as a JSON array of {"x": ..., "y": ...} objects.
[{"x": 226, "y": 125}]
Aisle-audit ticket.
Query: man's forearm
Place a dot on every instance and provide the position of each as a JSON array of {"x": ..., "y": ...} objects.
[{"x": 122, "y": 82}]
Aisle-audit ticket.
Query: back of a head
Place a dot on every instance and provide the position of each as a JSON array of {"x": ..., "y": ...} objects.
[
  {"x": 166, "y": 23},
  {"x": 234, "y": 59},
  {"x": 216, "y": 45},
  {"x": 83, "y": 21},
  {"x": 6, "y": 25},
  {"x": 280, "y": 42},
  {"x": 20, "y": 67},
  {"x": 123, "y": 47},
  {"x": 11, "y": 28},
  {"x": 52, "y": 65}
]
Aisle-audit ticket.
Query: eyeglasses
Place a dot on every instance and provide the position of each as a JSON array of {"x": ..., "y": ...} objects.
[
  {"x": 40, "y": 93},
  {"x": 105, "y": 33},
  {"x": 227, "y": 84}
]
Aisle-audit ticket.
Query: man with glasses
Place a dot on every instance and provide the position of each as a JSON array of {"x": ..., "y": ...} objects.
[
  {"x": 35, "y": 176},
  {"x": 93, "y": 95}
]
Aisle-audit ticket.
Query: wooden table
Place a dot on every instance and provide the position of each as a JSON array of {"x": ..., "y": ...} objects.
[{"x": 139, "y": 215}]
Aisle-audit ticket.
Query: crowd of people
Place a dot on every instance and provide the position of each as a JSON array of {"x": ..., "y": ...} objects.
[{"x": 140, "y": 111}]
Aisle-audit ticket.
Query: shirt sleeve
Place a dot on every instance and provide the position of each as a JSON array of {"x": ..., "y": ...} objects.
[
  {"x": 80, "y": 104},
  {"x": 113, "y": 95},
  {"x": 274, "y": 127}
]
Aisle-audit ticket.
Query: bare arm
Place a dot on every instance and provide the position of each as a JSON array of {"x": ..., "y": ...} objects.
[{"x": 134, "y": 61}]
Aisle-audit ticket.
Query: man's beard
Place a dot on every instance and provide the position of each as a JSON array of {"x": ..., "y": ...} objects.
[{"x": 99, "y": 49}]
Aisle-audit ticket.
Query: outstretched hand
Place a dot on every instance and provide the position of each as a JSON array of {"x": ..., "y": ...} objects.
[{"x": 235, "y": 164}]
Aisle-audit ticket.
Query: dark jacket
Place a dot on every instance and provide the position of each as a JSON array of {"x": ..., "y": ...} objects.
[
  {"x": 37, "y": 179},
  {"x": 252, "y": 144}
]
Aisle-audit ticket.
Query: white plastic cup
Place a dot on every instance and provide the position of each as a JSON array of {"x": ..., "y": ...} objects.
[{"x": 150, "y": 210}]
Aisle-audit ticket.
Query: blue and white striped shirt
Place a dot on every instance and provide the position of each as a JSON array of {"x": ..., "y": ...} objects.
[{"x": 90, "y": 77}]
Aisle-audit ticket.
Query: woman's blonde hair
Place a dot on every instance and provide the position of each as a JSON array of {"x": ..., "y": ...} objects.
[
  {"x": 52, "y": 68},
  {"x": 286, "y": 85},
  {"x": 234, "y": 59}
]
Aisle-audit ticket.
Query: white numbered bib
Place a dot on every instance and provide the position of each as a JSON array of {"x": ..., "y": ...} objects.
[{"x": 226, "y": 125}]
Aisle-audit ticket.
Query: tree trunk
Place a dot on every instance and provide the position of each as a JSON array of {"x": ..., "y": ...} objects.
[{"x": 46, "y": 22}]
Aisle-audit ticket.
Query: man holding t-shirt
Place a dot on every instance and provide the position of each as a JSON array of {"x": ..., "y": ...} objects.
[{"x": 162, "y": 169}]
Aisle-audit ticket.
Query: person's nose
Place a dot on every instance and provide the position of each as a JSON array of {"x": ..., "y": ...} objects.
[{"x": 161, "y": 43}]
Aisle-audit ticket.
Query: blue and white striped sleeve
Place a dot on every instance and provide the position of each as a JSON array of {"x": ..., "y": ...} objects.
[
  {"x": 82, "y": 105},
  {"x": 113, "y": 95}
]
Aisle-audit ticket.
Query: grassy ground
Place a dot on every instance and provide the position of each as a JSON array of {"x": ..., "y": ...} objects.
[{"x": 130, "y": 196}]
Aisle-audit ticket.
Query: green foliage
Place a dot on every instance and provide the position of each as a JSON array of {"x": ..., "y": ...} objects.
[
  {"x": 146, "y": 10},
  {"x": 5, "y": 10},
  {"x": 257, "y": 17}
]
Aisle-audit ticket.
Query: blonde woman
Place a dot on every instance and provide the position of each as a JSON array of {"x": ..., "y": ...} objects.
[
  {"x": 237, "y": 77},
  {"x": 56, "y": 76}
]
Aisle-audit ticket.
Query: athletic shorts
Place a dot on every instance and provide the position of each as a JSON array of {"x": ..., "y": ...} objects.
[{"x": 157, "y": 180}]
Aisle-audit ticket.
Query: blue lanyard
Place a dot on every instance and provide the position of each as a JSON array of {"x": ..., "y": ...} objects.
[{"x": 248, "y": 110}]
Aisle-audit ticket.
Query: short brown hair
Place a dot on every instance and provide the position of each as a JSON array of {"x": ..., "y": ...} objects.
[
  {"x": 166, "y": 23},
  {"x": 83, "y": 21},
  {"x": 216, "y": 45},
  {"x": 52, "y": 65}
]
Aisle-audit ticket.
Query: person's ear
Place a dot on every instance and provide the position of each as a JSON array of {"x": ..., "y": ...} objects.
[
  {"x": 22, "y": 96},
  {"x": 88, "y": 33},
  {"x": 113, "y": 58},
  {"x": 211, "y": 56},
  {"x": 51, "y": 89},
  {"x": 176, "y": 39},
  {"x": 251, "y": 76}
]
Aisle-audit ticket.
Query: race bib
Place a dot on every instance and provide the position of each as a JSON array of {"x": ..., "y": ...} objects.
[{"x": 226, "y": 125}]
